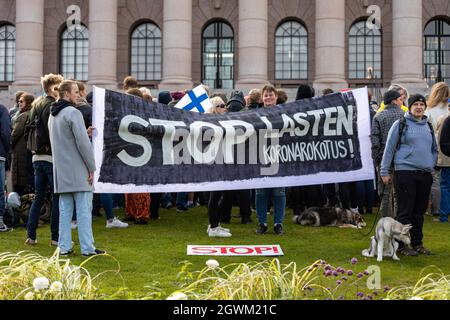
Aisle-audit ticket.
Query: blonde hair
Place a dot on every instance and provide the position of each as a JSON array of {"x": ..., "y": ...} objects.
[
  {"x": 135, "y": 92},
  {"x": 66, "y": 86},
  {"x": 50, "y": 80},
  {"x": 254, "y": 96},
  {"x": 399, "y": 88},
  {"x": 36, "y": 101},
  {"x": 215, "y": 102},
  {"x": 439, "y": 94},
  {"x": 130, "y": 82},
  {"x": 146, "y": 93}
]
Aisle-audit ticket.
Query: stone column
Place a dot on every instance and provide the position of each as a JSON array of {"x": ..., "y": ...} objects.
[
  {"x": 407, "y": 50},
  {"x": 177, "y": 45},
  {"x": 252, "y": 45},
  {"x": 103, "y": 43},
  {"x": 330, "y": 45},
  {"x": 29, "y": 43}
]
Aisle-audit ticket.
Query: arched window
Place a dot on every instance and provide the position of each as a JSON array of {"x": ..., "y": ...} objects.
[
  {"x": 75, "y": 53},
  {"x": 365, "y": 54},
  {"x": 7, "y": 52},
  {"x": 291, "y": 51},
  {"x": 218, "y": 56},
  {"x": 437, "y": 51},
  {"x": 146, "y": 52}
]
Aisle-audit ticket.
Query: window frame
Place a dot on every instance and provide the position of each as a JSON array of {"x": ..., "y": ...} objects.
[
  {"x": 302, "y": 27},
  {"x": 4, "y": 80},
  {"x": 368, "y": 40},
  {"x": 220, "y": 38},
  {"x": 151, "y": 82},
  {"x": 85, "y": 54},
  {"x": 439, "y": 23}
]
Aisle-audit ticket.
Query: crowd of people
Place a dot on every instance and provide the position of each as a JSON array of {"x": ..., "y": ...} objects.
[{"x": 46, "y": 146}]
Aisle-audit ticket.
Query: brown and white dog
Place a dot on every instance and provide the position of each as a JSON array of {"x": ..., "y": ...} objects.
[{"x": 330, "y": 216}]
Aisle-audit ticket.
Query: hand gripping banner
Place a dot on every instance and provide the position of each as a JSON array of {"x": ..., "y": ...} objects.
[{"x": 147, "y": 147}]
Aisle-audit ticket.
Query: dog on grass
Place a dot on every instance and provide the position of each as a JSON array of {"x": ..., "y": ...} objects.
[
  {"x": 384, "y": 242},
  {"x": 330, "y": 216},
  {"x": 19, "y": 207}
]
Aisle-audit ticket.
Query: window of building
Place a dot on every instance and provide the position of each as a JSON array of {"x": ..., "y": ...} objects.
[
  {"x": 7, "y": 52},
  {"x": 218, "y": 56},
  {"x": 146, "y": 52},
  {"x": 75, "y": 53},
  {"x": 291, "y": 51},
  {"x": 365, "y": 54},
  {"x": 437, "y": 52}
]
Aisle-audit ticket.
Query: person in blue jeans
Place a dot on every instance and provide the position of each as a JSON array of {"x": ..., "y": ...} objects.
[
  {"x": 279, "y": 204},
  {"x": 43, "y": 178},
  {"x": 269, "y": 96},
  {"x": 73, "y": 169},
  {"x": 42, "y": 161}
]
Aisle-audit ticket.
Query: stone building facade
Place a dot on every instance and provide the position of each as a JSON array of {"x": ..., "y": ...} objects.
[{"x": 248, "y": 31}]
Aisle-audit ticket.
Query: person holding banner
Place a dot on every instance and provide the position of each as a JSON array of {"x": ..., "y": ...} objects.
[
  {"x": 73, "y": 170},
  {"x": 269, "y": 97},
  {"x": 412, "y": 147},
  {"x": 137, "y": 205}
]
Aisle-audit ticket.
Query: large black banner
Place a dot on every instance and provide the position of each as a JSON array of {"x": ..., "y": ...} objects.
[{"x": 153, "y": 147}]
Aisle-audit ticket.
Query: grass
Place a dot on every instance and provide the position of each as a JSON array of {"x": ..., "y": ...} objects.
[{"x": 153, "y": 253}]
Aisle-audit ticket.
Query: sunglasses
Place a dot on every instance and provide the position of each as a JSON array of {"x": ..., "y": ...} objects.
[
  {"x": 21, "y": 101},
  {"x": 222, "y": 106}
]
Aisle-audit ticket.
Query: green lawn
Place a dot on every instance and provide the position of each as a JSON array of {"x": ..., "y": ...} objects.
[{"x": 154, "y": 252}]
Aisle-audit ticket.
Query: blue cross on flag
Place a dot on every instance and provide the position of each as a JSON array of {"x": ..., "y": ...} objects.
[{"x": 196, "y": 100}]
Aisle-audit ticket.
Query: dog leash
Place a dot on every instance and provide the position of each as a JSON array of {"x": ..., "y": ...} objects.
[{"x": 376, "y": 216}]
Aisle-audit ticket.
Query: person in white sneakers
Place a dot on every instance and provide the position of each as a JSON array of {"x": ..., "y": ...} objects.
[
  {"x": 116, "y": 223},
  {"x": 218, "y": 232}
]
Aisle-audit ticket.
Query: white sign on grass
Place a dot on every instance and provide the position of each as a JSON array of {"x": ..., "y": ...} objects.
[{"x": 241, "y": 251}]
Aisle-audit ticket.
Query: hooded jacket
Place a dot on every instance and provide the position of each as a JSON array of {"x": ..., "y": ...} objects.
[
  {"x": 73, "y": 157},
  {"x": 417, "y": 149}
]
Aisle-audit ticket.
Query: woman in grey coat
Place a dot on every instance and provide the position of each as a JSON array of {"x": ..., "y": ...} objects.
[{"x": 73, "y": 170}]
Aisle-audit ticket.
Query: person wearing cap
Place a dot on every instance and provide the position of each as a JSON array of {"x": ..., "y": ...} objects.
[
  {"x": 381, "y": 124},
  {"x": 403, "y": 94},
  {"x": 164, "y": 97},
  {"x": 236, "y": 102},
  {"x": 413, "y": 152}
]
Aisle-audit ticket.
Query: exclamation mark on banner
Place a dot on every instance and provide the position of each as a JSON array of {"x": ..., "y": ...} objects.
[{"x": 350, "y": 144}]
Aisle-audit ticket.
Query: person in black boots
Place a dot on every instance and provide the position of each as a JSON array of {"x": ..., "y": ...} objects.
[{"x": 411, "y": 147}]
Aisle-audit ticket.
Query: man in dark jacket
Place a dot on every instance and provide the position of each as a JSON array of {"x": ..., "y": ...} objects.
[
  {"x": 5, "y": 134},
  {"x": 381, "y": 124},
  {"x": 42, "y": 162}
]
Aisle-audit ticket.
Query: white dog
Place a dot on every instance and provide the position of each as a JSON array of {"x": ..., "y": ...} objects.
[{"x": 384, "y": 242}]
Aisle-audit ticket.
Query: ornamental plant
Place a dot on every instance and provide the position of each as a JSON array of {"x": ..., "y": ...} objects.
[
  {"x": 29, "y": 276},
  {"x": 271, "y": 280},
  {"x": 433, "y": 285}
]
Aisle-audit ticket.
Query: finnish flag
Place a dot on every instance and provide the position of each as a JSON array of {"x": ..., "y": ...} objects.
[{"x": 196, "y": 100}]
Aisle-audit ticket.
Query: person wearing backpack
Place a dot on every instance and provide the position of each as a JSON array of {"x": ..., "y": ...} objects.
[
  {"x": 38, "y": 142},
  {"x": 412, "y": 147},
  {"x": 5, "y": 133}
]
